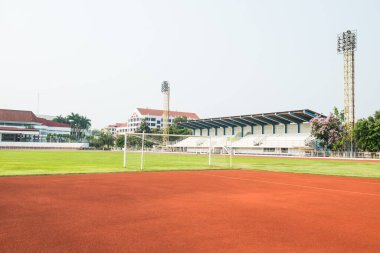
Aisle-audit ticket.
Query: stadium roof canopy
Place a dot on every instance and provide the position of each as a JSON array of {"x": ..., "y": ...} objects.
[{"x": 274, "y": 118}]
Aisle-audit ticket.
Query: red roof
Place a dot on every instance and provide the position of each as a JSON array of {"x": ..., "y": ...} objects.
[
  {"x": 27, "y": 116},
  {"x": 51, "y": 123},
  {"x": 155, "y": 112},
  {"x": 119, "y": 125},
  {"x": 18, "y": 129},
  {"x": 16, "y": 115}
]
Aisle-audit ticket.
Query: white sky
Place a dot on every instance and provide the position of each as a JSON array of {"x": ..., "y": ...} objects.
[{"x": 102, "y": 59}]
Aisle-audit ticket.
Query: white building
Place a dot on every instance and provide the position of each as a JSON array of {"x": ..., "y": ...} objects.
[
  {"x": 53, "y": 128},
  {"x": 25, "y": 126},
  {"x": 118, "y": 128},
  {"x": 154, "y": 118}
]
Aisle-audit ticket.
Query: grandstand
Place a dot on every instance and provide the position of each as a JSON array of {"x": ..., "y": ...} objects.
[{"x": 285, "y": 133}]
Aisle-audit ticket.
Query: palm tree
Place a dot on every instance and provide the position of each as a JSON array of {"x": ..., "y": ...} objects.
[
  {"x": 61, "y": 119},
  {"x": 74, "y": 121},
  {"x": 77, "y": 122},
  {"x": 84, "y": 124}
]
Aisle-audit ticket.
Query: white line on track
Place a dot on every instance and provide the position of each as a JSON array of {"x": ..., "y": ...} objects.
[
  {"x": 338, "y": 177},
  {"x": 279, "y": 183}
]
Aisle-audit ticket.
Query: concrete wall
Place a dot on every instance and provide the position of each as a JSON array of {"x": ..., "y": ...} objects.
[
  {"x": 280, "y": 129},
  {"x": 305, "y": 128},
  {"x": 43, "y": 145},
  {"x": 292, "y": 128},
  {"x": 268, "y": 129},
  {"x": 247, "y": 129},
  {"x": 257, "y": 130}
]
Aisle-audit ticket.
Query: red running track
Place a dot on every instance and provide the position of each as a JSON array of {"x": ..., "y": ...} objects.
[{"x": 189, "y": 211}]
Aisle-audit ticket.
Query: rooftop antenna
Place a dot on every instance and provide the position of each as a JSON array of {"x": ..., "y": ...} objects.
[{"x": 38, "y": 103}]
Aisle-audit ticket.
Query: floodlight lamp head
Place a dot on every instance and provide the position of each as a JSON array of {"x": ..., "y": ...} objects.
[
  {"x": 165, "y": 87},
  {"x": 346, "y": 41}
]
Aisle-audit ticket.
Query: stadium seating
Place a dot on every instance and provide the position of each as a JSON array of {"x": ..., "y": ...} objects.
[
  {"x": 190, "y": 142},
  {"x": 268, "y": 140},
  {"x": 218, "y": 141},
  {"x": 285, "y": 140},
  {"x": 273, "y": 140}
]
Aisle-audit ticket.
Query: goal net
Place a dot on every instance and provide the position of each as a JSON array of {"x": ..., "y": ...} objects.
[{"x": 150, "y": 152}]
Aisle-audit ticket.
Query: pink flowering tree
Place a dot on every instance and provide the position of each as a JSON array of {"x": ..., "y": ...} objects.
[{"x": 328, "y": 130}]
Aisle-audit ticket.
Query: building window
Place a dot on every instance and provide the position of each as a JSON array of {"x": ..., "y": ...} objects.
[{"x": 269, "y": 150}]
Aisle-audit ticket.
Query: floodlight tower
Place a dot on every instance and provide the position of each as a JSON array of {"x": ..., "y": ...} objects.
[
  {"x": 347, "y": 46},
  {"x": 165, "y": 90}
]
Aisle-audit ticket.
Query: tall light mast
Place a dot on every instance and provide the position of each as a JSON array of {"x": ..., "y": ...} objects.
[
  {"x": 347, "y": 46},
  {"x": 165, "y": 90}
]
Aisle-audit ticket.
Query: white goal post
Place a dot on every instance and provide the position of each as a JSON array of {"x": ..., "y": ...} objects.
[{"x": 146, "y": 143}]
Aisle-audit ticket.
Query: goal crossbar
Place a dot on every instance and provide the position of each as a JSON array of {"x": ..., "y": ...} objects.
[{"x": 143, "y": 138}]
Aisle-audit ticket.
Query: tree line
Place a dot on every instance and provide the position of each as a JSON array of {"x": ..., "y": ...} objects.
[
  {"x": 333, "y": 134},
  {"x": 105, "y": 140}
]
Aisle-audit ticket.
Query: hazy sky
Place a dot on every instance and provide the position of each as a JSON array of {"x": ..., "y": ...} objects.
[{"x": 102, "y": 59}]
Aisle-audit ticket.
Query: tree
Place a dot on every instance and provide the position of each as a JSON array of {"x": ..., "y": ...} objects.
[
  {"x": 93, "y": 139},
  {"x": 178, "y": 120},
  {"x": 74, "y": 121},
  {"x": 61, "y": 119},
  {"x": 329, "y": 131},
  {"x": 77, "y": 122},
  {"x": 345, "y": 142},
  {"x": 133, "y": 141},
  {"x": 144, "y": 127},
  {"x": 84, "y": 124},
  {"x": 175, "y": 128},
  {"x": 367, "y": 133},
  {"x": 339, "y": 114},
  {"x": 106, "y": 139},
  {"x": 100, "y": 139},
  {"x": 119, "y": 142}
]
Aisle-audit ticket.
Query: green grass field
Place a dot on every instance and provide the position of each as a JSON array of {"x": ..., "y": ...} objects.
[{"x": 21, "y": 162}]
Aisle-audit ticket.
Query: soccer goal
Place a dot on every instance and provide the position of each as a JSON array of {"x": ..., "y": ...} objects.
[{"x": 148, "y": 151}]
